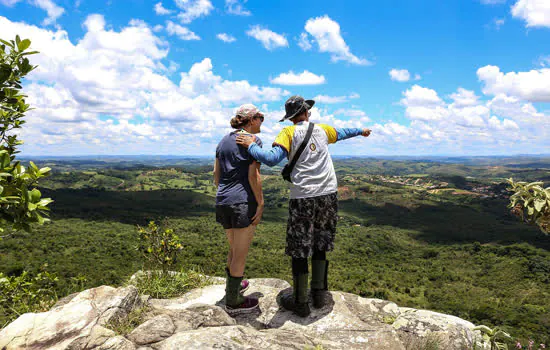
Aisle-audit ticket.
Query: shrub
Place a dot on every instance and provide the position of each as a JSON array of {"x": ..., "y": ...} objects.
[
  {"x": 531, "y": 203},
  {"x": 21, "y": 205},
  {"x": 159, "y": 246},
  {"x": 26, "y": 293}
]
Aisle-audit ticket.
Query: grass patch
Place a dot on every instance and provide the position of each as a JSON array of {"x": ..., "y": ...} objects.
[
  {"x": 161, "y": 285},
  {"x": 430, "y": 342},
  {"x": 126, "y": 325}
]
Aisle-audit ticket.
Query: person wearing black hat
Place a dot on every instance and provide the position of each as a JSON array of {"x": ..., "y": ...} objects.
[{"x": 313, "y": 205}]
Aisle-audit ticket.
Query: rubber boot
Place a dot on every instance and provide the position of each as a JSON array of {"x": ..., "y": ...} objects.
[
  {"x": 235, "y": 302},
  {"x": 319, "y": 282},
  {"x": 298, "y": 301},
  {"x": 244, "y": 284}
]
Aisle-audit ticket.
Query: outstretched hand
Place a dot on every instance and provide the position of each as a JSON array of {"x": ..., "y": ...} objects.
[
  {"x": 366, "y": 132},
  {"x": 245, "y": 140}
]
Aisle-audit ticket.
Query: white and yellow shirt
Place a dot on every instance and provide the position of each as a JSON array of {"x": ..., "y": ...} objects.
[{"x": 313, "y": 174}]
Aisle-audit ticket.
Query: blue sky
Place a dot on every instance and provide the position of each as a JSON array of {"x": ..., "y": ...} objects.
[{"x": 468, "y": 77}]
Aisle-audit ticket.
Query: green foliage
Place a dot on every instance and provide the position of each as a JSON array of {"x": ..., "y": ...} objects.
[
  {"x": 457, "y": 254},
  {"x": 26, "y": 293},
  {"x": 531, "y": 203},
  {"x": 492, "y": 336},
  {"x": 163, "y": 285},
  {"x": 159, "y": 246},
  {"x": 21, "y": 205},
  {"x": 125, "y": 325}
]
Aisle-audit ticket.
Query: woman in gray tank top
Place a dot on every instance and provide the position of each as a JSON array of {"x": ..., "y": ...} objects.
[{"x": 239, "y": 203}]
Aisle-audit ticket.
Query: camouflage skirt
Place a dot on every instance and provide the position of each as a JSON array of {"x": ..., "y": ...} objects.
[{"x": 311, "y": 225}]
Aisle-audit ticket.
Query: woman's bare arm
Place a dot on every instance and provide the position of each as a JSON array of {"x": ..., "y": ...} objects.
[
  {"x": 217, "y": 172},
  {"x": 255, "y": 180}
]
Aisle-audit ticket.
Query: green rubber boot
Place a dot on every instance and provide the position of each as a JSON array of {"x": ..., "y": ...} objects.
[
  {"x": 319, "y": 282},
  {"x": 298, "y": 301},
  {"x": 235, "y": 302}
]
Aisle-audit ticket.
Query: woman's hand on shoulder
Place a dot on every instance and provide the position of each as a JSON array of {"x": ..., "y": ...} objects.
[{"x": 245, "y": 140}]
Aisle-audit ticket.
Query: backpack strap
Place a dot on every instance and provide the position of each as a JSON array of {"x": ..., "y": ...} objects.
[{"x": 301, "y": 148}]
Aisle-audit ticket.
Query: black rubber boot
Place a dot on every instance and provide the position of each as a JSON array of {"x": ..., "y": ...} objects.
[
  {"x": 235, "y": 302},
  {"x": 319, "y": 282},
  {"x": 298, "y": 301}
]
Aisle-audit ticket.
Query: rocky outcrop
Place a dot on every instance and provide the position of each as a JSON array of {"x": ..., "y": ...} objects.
[{"x": 197, "y": 320}]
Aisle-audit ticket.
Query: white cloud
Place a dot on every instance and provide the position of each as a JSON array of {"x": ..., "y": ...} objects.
[
  {"x": 544, "y": 61},
  {"x": 506, "y": 124},
  {"x": 193, "y": 9},
  {"x": 499, "y": 22},
  {"x": 492, "y": 2},
  {"x": 269, "y": 39},
  {"x": 160, "y": 10},
  {"x": 119, "y": 75},
  {"x": 533, "y": 86},
  {"x": 226, "y": 37},
  {"x": 421, "y": 96},
  {"x": 464, "y": 98},
  {"x": 401, "y": 75},
  {"x": 468, "y": 124},
  {"x": 352, "y": 113},
  {"x": 235, "y": 7},
  {"x": 335, "y": 99},
  {"x": 9, "y": 3},
  {"x": 535, "y": 12},
  {"x": 326, "y": 33},
  {"x": 304, "y": 78},
  {"x": 304, "y": 43},
  {"x": 181, "y": 32},
  {"x": 54, "y": 11}
]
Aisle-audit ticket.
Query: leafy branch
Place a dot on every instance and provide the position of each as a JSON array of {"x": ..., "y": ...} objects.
[
  {"x": 531, "y": 203},
  {"x": 20, "y": 203}
]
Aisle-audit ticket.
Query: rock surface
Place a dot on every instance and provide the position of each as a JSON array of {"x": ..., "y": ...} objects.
[{"x": 197, "y": 320}]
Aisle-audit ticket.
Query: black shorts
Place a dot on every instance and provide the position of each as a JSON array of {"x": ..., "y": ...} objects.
[
  {"x": 311, "y": 225},
  {"x": 235, "y": 215}
]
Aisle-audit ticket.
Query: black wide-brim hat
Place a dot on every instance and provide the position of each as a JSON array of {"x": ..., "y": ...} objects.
[{"x": 295, "y": 105}]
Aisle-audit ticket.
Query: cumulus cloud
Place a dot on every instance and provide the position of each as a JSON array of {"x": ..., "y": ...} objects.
[
  {"x": 304, "y": 42},
  {"x": 54, "y": 11},
  {"x": 334, "y": 99},
  {"x": 109, "y": 89},
  {"x": 354, "y": 113},
  {"x": 160, "y": 10},
  {"x": 226, "y": 37},
  {"x": 401, "y": 75},
  {"x": 533, "y": 86},
  {"x": 536, "y": 13},
  {"x": 193, "y": 9},
  {"x": 463, "y": 98},
  {"x": 326, "y": 33},
  {"x": 269, "y": 39},
  {"x": 181, "y": 32},
  {"x": 467, "y": 124},
  {"x": 235, "y": 7},
  {"x": 304, "y": 78}
]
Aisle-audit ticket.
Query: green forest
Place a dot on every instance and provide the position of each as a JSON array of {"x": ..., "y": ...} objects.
[{"x": 431, "y": 234}]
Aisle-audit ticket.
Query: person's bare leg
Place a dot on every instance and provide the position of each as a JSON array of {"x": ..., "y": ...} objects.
[
  {"x": 229, "y": 233},
  {"x": 242, "y": 237}
]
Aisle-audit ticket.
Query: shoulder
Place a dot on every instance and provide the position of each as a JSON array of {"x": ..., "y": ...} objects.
[{"x": 330, "y": 131}]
